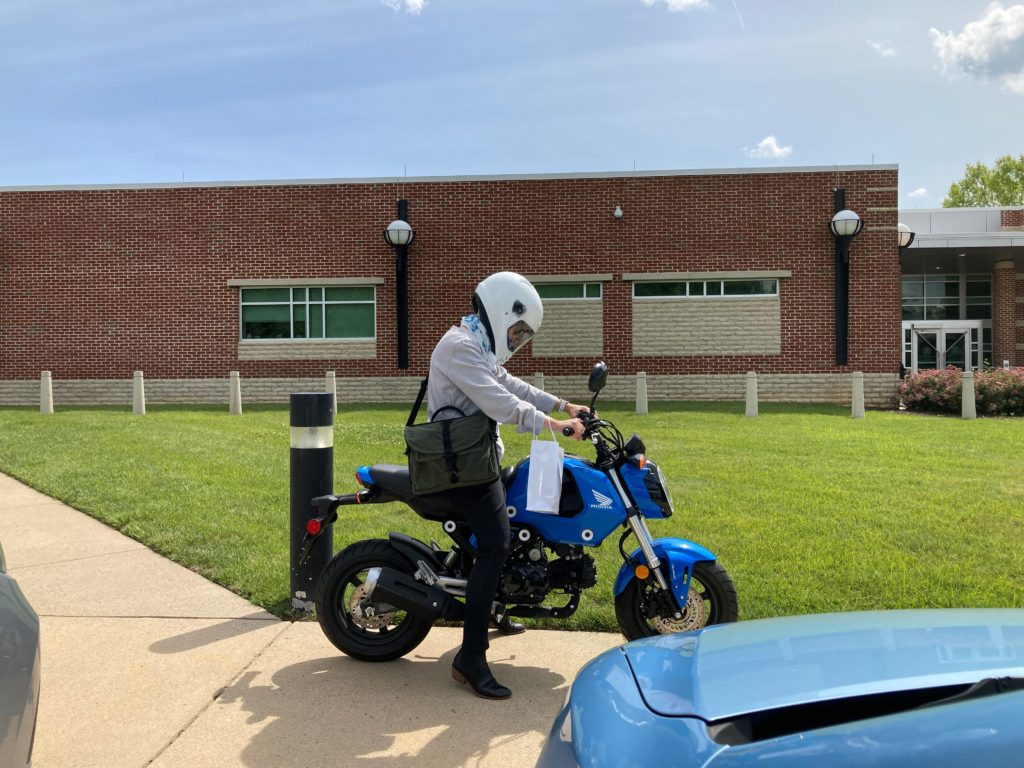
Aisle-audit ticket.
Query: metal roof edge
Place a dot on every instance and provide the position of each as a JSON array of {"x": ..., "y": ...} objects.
[{"x": 465, "y": 178}]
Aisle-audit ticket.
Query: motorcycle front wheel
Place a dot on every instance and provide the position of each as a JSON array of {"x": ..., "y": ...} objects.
[
  {"x": 383, "y": 634},
  {"x": 642, "y": 609}
]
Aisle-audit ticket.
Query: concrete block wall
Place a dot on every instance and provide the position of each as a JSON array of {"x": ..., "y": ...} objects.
[
  {"x": 701, "y": 326},
  {"x": 571, "y": 328},
  {"x": 880, "y": 390},
  {"x": 307, "y": 350}
]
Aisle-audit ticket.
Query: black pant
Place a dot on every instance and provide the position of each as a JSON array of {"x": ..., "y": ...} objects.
[{"x": 484, "y": 510}]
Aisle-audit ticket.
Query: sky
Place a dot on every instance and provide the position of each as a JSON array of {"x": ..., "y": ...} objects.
[{"x": 110, "y": 92}]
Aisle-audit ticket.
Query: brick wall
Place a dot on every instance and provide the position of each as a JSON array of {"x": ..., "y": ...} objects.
[
  {"x": 1012, "y": 219},
  {"x": 97, "y": 283},
  {"x": 1020, "y": 319}
]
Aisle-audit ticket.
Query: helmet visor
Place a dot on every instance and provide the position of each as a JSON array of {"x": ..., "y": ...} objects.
[{"x": 518, "y": 334}]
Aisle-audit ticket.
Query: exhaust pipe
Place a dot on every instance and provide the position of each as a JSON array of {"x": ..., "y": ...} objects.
[{"x": 386, "y": 585}]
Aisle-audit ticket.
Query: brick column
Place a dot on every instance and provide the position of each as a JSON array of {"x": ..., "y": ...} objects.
[
  {"x": 1020, "y": 318},
  {"x": 1004, "y": 313}
]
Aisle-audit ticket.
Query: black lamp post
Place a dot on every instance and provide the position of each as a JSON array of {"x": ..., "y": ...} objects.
[
  {"x": 845, "y": 226},
  {"x": 399, "y": 235}
]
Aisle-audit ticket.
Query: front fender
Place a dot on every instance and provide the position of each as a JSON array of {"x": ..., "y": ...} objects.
[{"x": 680, "y": 554}]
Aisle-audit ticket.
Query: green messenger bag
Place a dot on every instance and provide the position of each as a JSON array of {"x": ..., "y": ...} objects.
[{"x": 450, "y": 453}]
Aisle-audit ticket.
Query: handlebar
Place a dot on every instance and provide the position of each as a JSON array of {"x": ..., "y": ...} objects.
[{"x": 586, "y": 417}]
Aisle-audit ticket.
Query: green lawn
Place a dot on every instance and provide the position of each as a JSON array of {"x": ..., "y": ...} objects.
[{"x": 808, "y": 509}]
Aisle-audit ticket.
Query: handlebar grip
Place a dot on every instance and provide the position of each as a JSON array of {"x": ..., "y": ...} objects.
[{"x": 567, "y": 431}]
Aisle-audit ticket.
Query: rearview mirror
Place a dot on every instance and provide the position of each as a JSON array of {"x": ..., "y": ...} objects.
[{"x": 598, "y": 377}]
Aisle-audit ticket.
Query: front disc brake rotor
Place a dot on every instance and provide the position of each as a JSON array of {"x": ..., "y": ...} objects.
[
  {"x": 382, "y": 617},
  {"x": 695, "y": 616}
]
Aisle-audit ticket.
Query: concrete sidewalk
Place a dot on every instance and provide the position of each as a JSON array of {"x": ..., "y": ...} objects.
[{"x": 147, "y": 663}]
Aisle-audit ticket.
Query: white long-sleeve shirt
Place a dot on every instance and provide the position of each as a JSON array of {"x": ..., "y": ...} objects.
[{"x": 461, "y": 376}]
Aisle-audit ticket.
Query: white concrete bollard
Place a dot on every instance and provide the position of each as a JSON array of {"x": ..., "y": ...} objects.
[
  {"x": 235, "y": 407},
  {"x": 332, "y": 387},
  {"x": 45, "y": 393},
  {"x": 751, "y": 393},
  {"x": 641, "y": 393},
  {"x": 138, "y": 395},
  {"x": 968, "y": 409},
  {"x": 538, "y": 381},
  {"x": 857, "y": 410}
]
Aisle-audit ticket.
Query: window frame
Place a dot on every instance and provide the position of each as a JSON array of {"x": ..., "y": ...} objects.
[
  {"x": 961, "y": 301},
  {"x": 584, "y": 284},
  {"x": 704, "y": 284},
  {"x": 292, "y": 303}
]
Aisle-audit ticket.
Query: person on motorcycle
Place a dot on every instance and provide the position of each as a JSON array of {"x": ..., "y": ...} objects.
[{"x": 466, "y": 371}]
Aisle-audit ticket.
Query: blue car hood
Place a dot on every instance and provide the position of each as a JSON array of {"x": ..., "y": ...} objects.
[{"x": 730, "y": 670}]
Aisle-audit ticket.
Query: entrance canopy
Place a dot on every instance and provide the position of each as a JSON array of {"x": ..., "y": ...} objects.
[{"x": 963, "y": 288}]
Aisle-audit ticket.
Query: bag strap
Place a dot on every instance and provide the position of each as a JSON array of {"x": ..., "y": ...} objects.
[
  {"x": 447, "y": 408},
  {"x": 419, "y": 401},
  {"x": 449, "y": 455}
]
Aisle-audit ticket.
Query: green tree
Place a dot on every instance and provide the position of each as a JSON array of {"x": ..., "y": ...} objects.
[{"x": 1002, "y": 184}]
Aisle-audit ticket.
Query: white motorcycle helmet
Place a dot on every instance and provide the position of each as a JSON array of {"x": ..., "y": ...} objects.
[{"x": 510, "y": 309}]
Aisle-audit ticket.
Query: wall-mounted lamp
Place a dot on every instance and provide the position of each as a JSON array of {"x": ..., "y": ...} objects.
[
  {"x": 399, "y": 235},
  {"x": 904, "y": 235},
  {"x": 845, "y": 226},
  {"x": 617, "y": 213}
]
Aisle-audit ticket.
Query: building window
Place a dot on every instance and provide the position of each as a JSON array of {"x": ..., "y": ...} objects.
[
  {"x": 309, "y": 313},
  {"x": 978, "y": 297},
  {"x": 947, "y": 297},
  {"x": 569, "y": 290},
  {"x": 705, "y": 289}
]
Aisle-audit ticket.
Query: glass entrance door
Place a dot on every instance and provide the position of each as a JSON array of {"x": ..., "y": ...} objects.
[
  {"x": 938, "y": 345},
  {"x": 926, "y": 350},
  {"x": 956, "y": 343}
]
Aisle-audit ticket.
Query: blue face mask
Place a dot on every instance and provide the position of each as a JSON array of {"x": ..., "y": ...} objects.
[{"x": 475, "y": 326}]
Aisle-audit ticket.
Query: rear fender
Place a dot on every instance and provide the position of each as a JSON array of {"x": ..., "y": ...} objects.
[
  {"x": 680, "y": 555},
  {"x": 414, "y": 549}
]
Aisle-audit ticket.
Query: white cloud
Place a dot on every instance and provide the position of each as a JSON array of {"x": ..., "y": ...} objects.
[
  {"x": 678, "y": 5},
  {"x": 992, "y": 47},
  {"x": 883, "y": 49},
  {"x": 918, "y": 194},
  {"x": 411, "y": 6},
  {"x": 769, "y": 147}
]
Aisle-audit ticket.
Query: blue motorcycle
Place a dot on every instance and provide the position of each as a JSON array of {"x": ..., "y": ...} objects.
[{"x": 377, "y": 599}]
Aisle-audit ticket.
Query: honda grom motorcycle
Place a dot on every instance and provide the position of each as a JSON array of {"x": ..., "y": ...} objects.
[{"x": 377, "y": 599}]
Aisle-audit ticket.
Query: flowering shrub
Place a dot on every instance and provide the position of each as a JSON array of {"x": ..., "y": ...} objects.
[
  {"x": 932, "y": 391},
  {"x": 996, "y": 393},
  {"x": 1000, "y": 392}
]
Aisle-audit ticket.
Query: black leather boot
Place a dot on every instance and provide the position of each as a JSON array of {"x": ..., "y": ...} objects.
[
  {"x": 474, "y": 672},
  {"x": 502, "y": 622}
]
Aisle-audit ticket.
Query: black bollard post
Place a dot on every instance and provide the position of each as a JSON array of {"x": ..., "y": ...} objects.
[{"x": 312, "y": 475}]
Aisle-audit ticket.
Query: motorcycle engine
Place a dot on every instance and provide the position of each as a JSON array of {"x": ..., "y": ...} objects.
[
  {"x": 528, "y": 576},
  {"x": 525, "y": 577}
]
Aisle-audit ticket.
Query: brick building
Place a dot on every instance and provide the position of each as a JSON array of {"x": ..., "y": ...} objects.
[{"x": 706, "y": 275}]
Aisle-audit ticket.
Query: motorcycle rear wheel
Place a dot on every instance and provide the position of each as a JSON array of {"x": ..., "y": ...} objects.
[
  {"x": 387, "y": 635},
  {"x": 642, "y": 611}
]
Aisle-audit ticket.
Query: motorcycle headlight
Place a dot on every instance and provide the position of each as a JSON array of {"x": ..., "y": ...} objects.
[{"x": 658, "y": 489}]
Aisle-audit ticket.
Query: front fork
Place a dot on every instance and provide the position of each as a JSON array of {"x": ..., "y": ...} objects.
[{"x": 639, "y": 527}]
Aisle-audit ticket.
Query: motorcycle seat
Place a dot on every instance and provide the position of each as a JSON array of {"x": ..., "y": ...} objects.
[{"x": 394, "y": 481}]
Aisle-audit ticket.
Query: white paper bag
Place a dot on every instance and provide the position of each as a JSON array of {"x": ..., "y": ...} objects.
[{"x": 544, "y": 490}]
